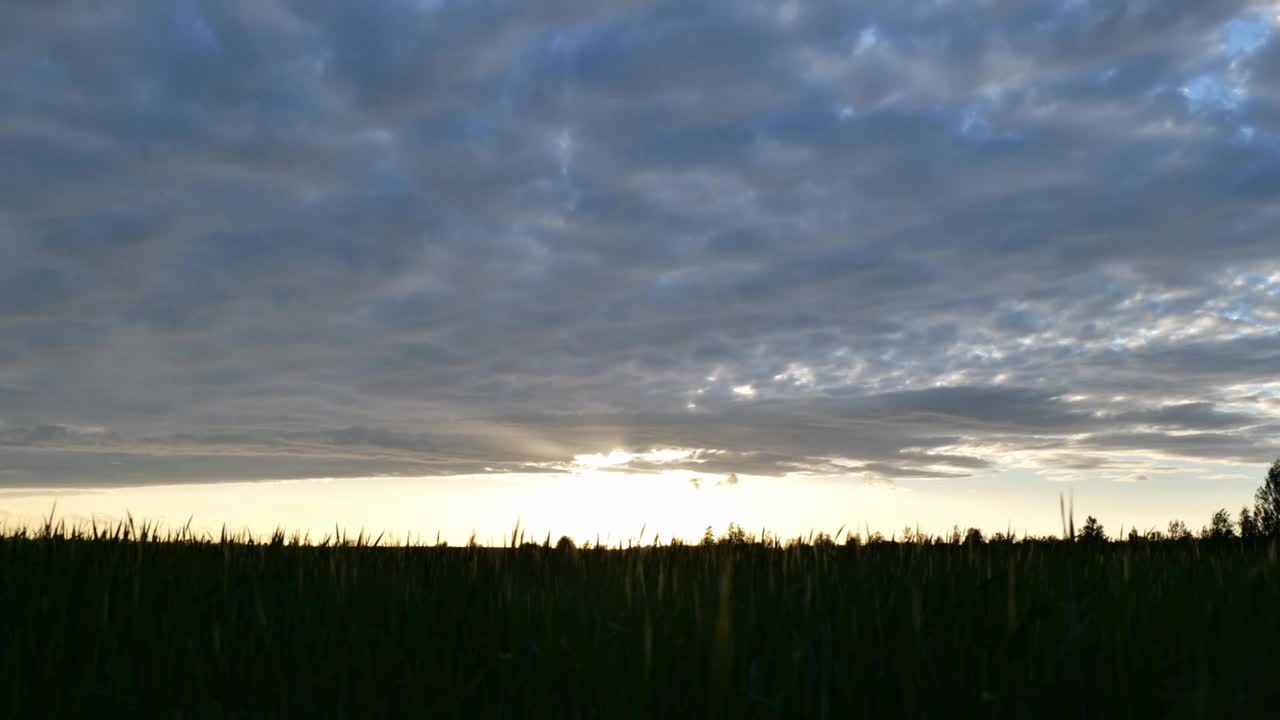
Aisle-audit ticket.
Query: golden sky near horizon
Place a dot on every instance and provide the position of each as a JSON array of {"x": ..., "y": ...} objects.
[{"x": 616, "y": 506}]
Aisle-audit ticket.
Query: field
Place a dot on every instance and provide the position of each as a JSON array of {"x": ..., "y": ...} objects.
[{"x": 130, "y": 624}]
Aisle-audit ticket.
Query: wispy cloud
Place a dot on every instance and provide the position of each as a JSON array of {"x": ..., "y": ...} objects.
[{"x": 255, "y": 239}]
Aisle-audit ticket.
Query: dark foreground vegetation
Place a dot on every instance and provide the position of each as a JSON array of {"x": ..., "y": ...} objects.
[
  {"x": 124, "y": 623},
  {"x": 120, "y": 625}
]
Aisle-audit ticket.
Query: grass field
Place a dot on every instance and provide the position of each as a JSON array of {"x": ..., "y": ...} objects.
[{"x": 129, "y": 624}]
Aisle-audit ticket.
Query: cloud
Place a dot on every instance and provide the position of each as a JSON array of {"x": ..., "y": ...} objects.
[{"x": 272, "y": 239}]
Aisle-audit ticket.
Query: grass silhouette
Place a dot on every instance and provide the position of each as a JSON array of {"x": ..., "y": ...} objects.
[{"x": 130, "y": 619}]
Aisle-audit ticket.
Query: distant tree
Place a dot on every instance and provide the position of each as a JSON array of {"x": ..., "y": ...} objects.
[
  {"x": 823, "y": 540},
  {"x": 973, "y": 536},
  {"x": 1135, "y": 536},
  {"x": 565, "y": 543},
  {"x": 852, "y": 540},
  {"x": 735, "y": 535},
  {"x": 1002, "y": 538},
  {"x": 1092, "y": 532},
  {"x": 1266, "y": 502},
  {"x": 709, "y": 537},
  {"x": 1178, "y": 530},
  {"x": 1249, "y": 528},
  {"x": 1220, "y": 527}
]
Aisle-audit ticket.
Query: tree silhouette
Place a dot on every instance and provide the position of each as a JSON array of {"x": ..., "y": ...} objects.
[
  {"x": 565, "y": 543},
  {"x": 1249, "y": 528},
  {"x": 1266, "y": 502},
  {"x": 1092, "y": 532},
  {"x": 1178, "y": 530},
  {"x": 1220, "y": 527},
  {"x": 735, "y": 535}
]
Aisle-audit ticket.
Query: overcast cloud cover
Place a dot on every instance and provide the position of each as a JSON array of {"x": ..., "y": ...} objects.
[{"x": 255, "y": 239}]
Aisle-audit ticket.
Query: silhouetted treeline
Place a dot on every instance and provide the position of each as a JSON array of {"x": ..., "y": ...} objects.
[
  {"x": 1253, "y": 524},
  {"x": 1261, "y": 522}
]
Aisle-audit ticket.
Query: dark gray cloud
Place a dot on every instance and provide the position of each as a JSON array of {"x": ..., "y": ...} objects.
[{"x": 256, "y": 239}]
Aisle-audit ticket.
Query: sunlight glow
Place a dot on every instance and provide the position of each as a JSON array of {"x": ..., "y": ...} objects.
[
  {"x": 616, "y": 457},
  {"x": 613, "y": 506}
]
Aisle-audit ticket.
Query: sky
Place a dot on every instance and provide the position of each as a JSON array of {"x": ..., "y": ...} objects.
[{"x": 443, "y": 264}]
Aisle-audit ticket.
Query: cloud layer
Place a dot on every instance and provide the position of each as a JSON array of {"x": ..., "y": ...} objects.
[{"x": 262, "y": 239}]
